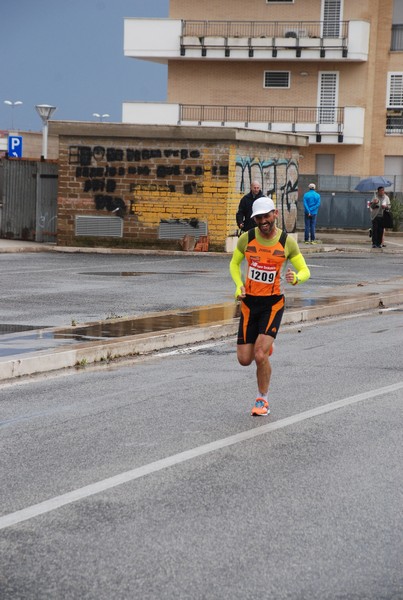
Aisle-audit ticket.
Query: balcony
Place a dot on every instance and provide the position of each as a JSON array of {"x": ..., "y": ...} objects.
[
  {"x": 164, "y": 39},
  {"x": 332, "y": 125}
]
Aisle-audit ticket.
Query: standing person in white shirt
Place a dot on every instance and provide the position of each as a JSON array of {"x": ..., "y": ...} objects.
[{"x": 378, "y": 205}]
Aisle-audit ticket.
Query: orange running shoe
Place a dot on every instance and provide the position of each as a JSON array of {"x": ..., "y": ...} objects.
[{"x": 260, "y": 408}]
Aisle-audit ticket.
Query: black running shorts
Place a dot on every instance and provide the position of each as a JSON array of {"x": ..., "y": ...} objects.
[{"x": 259, "y": 314}]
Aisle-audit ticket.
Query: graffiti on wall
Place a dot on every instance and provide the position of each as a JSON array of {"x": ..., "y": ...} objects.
[
  {"x": 278, "y": 178},
  {"x": 140, "y": 172}
]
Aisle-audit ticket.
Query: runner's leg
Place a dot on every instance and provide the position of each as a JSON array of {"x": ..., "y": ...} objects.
[
  {"x": 263, "y": 366},
  {"x": 245, "y": 354}
]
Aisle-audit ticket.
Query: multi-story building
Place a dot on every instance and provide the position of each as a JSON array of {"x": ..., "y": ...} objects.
[{"x": 328, "y": 69}]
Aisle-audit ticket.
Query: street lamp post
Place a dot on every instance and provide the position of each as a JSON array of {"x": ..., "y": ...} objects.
[
  {"x": 45, "y": 111},
  {"x": 13, "y": 105},
  {"x": 101, "y": 117}
]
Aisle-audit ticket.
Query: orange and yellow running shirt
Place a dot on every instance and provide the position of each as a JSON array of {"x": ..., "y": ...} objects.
[{"x": 266, "y": 263}]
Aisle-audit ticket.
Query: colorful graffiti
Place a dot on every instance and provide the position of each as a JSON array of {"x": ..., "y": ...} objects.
[{"x": 278, "y": 178}]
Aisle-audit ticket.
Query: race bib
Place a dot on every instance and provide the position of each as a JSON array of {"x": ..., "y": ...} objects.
[{"x": 262, "y": 273}]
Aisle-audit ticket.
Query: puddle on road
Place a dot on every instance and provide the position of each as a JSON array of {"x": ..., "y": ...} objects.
[
  {"x": 148, "y": 324},
  {"x": 206, "y": 315},
  {"x": 42, "y": 337},
  {"x": 121, "y": 328}
]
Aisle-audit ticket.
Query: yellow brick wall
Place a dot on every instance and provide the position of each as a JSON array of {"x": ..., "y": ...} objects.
[{"x": 166, "y": 179}]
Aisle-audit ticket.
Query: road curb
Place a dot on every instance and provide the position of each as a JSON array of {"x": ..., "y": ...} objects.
[
  {"x": 86, "y": 353},
  {"x": 342, "y": 245}
]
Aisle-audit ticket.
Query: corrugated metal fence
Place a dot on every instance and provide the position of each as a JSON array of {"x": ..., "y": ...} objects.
[
  {"x": 28, "y": 200},
  {"x": 341, "y": 206}
]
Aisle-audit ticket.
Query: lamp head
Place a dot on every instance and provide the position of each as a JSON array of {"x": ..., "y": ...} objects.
[{"x": 45, "y": 111}]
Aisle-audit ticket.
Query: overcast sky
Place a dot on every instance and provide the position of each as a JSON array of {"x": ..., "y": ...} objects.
[{"x": 69, "y": 53}]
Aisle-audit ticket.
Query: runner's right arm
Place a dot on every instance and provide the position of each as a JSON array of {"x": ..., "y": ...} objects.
[{"x": 235, "y": 271}]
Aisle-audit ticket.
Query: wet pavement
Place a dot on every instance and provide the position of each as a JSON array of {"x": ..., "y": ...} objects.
[
  {"x": 20, "y": 339},
  {"x": 30, "y": 349}
]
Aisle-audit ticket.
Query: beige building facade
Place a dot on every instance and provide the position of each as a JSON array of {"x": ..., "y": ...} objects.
[{"x": 328, "y": 69}]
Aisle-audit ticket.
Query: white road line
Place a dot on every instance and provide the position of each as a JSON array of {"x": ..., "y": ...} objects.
[{"x": 58, "y": 501}]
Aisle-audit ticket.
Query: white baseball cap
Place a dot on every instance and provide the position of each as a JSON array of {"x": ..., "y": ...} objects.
[
  {"x": 262, "y": 205},
  {"x": 312, "y": 186}
]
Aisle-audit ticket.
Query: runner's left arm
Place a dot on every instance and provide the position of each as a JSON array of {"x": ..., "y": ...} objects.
[
  {"x": 294, "y": 255},
  {"x": 302, "y": 271}
]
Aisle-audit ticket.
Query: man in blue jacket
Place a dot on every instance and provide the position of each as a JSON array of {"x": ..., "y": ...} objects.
[{"x": 311, "y": 207}]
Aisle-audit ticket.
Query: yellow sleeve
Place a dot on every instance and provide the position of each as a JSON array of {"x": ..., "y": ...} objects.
[
  {"x": 235, "y": 270},
  {"x": 303, "y": 272}
]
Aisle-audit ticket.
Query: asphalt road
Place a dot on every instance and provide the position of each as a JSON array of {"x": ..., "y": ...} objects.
[
  {"x": 211, "y": 503},
  {"x": 48, "y": 289}
]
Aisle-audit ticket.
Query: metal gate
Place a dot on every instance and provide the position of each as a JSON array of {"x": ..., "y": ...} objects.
[
  {"x": 341, "y": 206},
  {"x": 344, "y": 211},
  {"x": 28, "y": 206}
]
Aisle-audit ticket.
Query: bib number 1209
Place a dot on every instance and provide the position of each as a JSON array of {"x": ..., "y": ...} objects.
[{"x": 261, "y": 275}]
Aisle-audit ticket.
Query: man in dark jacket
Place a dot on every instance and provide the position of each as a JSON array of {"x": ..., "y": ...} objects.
[{"x": 243, "y": 216}]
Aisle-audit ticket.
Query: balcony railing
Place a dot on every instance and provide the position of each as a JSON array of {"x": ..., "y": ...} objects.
[
  {"x": 252, "y": 36},
  {"x": 263, "y": 29},
  {"x": 394, "y": 122},
  {"x": 324, "y": 124},
  {"x": 397, "y": 38},
  {"x": 263, "y": 114}
]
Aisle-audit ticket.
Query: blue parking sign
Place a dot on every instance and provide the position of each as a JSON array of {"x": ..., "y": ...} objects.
[{"x": 15, "y": 146}]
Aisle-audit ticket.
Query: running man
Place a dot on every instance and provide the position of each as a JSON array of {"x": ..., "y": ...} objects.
[{"x": 266, "y": 250}]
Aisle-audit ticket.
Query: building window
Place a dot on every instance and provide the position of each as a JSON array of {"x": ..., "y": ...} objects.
[
  {"x": 331, "y": 18},
  {"x": 394, "y": 109},
  {"x": 327, "y": 96},
  {"x": 397, "y": 26},
  {"x": 324, "y": 164},
  {"x": 276, "y": 79},
  {"x": 396, "y": 44},
  {"x": 395, "y": 90}
]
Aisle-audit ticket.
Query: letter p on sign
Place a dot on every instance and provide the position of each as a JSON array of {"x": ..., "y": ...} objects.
[{"x": 15, "y": 146}]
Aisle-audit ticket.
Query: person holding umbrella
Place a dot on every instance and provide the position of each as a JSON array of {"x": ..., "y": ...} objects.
[{"x": 378, "y": 205}]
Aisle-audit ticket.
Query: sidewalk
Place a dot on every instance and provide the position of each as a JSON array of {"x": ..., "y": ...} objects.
[
  {"x": 351, "y": 239},
  {"x": 60, "y": 348},
  {"x": 328, "y": 241}
]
